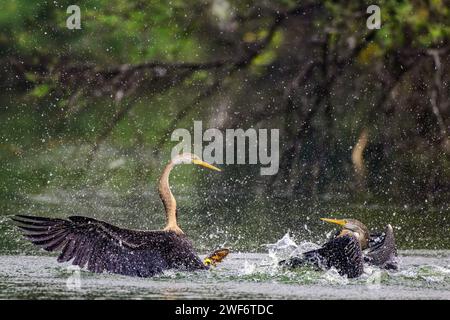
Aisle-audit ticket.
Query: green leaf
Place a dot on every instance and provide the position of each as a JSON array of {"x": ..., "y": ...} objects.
[{"x": 40, "y": 91}]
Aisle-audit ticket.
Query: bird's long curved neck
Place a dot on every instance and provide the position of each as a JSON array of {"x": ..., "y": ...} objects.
[{"x": 170, "y": 205}]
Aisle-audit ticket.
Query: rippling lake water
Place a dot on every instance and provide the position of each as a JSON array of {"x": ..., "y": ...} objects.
[
  {"x": 243, "y": 225},
  {"x": 422, "y": 275}
]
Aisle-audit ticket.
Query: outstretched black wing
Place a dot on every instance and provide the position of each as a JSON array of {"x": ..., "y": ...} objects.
[
  {"x": 101, "y": 246},
  {"x": 382, "y": 250},
  {"x": 343, "y": 253}
]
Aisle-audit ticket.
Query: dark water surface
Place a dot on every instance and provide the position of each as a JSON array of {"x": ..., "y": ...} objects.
[
  {"x": 243, "y": 224},
  {"x": 423, "y": 275}
]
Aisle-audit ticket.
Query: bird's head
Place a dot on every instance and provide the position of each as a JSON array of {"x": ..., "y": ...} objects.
[
  {"x": 188, "y": 158},
  {"x": 167, "y": 198},
  {"x": 353, "y": 227}
]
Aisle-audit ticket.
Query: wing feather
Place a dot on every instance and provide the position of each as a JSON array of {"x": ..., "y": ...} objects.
[
  {"x": 103, "y": 247},
  {"x": 343, "y": 253},
  {"x": 382, "y": 251}
]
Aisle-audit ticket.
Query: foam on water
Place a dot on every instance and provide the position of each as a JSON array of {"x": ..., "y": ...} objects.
[{"x": 242, "y": 275}]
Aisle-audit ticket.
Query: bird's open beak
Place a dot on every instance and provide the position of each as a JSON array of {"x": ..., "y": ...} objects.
[
  {"x": 340, "y": 222},
  {"x": 205, "y": 164}
]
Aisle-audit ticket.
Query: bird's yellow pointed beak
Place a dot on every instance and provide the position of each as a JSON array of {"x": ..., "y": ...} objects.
[
  {"x": 205, "y": 164},
  {"x": 340, "y": 222}
]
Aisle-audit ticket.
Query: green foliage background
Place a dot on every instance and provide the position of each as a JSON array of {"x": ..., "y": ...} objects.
[{"x": 46, "y": 138}]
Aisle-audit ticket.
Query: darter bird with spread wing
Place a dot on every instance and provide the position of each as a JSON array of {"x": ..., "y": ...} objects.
[{"x": 100, "y": 246}]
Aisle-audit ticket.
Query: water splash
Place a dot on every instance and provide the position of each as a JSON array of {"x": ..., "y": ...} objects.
[
  {"x": 286, "y": 247},
  {"x": 333, "y": 277}
]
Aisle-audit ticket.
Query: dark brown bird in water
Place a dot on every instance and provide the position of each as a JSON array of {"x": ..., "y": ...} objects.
[
  {"x": 349, "y": 249},
  {"x": 103, "y": 247}
]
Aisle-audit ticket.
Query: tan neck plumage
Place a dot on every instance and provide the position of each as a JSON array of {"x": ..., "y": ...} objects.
[
  {"x": 360, "y": 236},
  {"x": 168, "y": 200}
]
